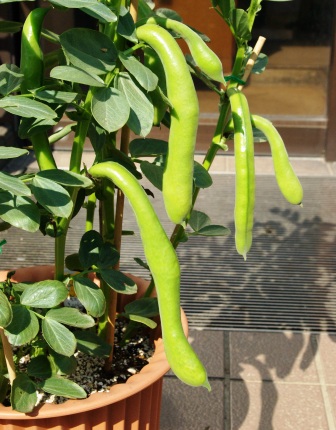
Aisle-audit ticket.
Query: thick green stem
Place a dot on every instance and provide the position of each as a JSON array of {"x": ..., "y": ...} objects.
[
  {"x": 90, "y": 211},
  {"x": 43, "y": 152}
]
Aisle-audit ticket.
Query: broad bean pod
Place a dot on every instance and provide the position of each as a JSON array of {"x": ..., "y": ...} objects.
[
  {"x": 287, "y": 180},
  {"x": 204, "y": 57},
  {"x": 177, "y": 185},
  {"x": 245, "y": 173},
  {"x": 162, "y": 260},
  {"x": 31, "y": 61}
]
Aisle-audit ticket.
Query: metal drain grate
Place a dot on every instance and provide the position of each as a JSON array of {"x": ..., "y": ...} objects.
[{"x": 287, "y": 282}]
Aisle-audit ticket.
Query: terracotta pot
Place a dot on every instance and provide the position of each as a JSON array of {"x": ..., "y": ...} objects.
[{"x": 134, "y": 405}]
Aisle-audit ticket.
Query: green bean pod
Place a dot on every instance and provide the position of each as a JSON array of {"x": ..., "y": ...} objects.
[
  {"x": 31, "y": 61},
  {"x": 202, "y": 54},
  {"x": 162, "y": 260},
  {"x": 177, "y": 185},
  {"x": 153, "y": 62},
  {"x": 245, "y": 174},
  {"x": 287, "y": 180}
]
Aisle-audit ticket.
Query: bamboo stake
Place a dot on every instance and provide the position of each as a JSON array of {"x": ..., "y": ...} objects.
[{"x": 253, "y": 57}]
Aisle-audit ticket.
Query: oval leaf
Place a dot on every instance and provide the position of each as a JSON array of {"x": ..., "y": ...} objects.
[
  {"x": 6, "y": 313},
  {"x": 91, "y": 344},
  {"x": 58, "y": 337},
  {"x": 148, "y": 147},
  {"x": 39, "y": 367},
  {"x": 63, "y": 387},
  {"x": 118, "y": 281},
  {"x": 146, "y": 78},
  {"x": 66, "y": 178},
  {"x": 90, "y": 295},
  {"x": 27, "y": 108},
  {"x": 89, "y": 248},
  {"x": 153, "y": 173},
  {"x": 13, "y": 185},
  {"x": 73, "y": 74},
  {"x": 52, "y": 196},
  {"x": 11, "y": 152},
  {"x": 101, "y": 12},
  {"x": 24, "y": 326},
  {"x": 72, "y": 317},
  {"x": 202, "y": 177},
  {"x": 21, "y": 212},
  {"x": 89, "y": 50},
  {"x": 10, "y": 78},
  {"x": 110, "y": 108},
  {"x": 141, "y": 116},
  {"x": 23, "y": 394},
  {"x": 44, "y": 294}
]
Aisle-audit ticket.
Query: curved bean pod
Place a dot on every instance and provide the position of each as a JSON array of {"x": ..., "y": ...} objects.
[
  {"x": 287, "y": 180},
  {"x": 245, "y": 174},
  {"x": 202, "y": 54},
  {"x": 164, "y": 265},
  {"x": 177, "y": 186}
]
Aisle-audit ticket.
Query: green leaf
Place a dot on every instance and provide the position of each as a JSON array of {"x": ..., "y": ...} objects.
[
  {"x": 30, "y": 126},
  {"x": 13, "y": 185},
  {"x": 63, "y": 387},
  {"x": 73, "y": 74},
  {"x": 260, "y": 64},
  {"x": 101, "y": 12},
  {"x": 143, "y": 320},
  {"x": 141, "y": 115},
  {"x": 21, "y": 212},
  {"x": 89, "y": 248},
  {"x": 52, "y": 196},
  {"x": 201, "y": 224},
  {"x": 10, "y": 26},
  {"x": 90, "y": 295},
  {"x": 44, "y": 294},
  {"x": 148, "y": 147},
  {"x": 198, "y": 220},
  {"x": 225, "y": 6},
  {"x": 39, "y": 367},
  {"x": 55, "y": 96},
  {"x": 23, "y": 394},
  {"x": 146, "y": 307},
  {"x": 110, "y": 108},
  {"x": 126, "y": 26},
  {"x": 118, "y": 281},
  {"x": 153, "y": 173},
  {"x": 27, "y": 108},
  {"x": 146, "y": 78},
  {"x": 213, "y": 230},
  {"x": 62, "y": 365},
  {"x": 240, "y": 24},
  {"x": 10, "y": 78},
  {"x": 89, "y": 50},
  {"x": 24, "y": 326},
  {"x": 73, "y": 3},
  {"x": 7, "y": 152},
  {"x": 202, "y": 177},
  {"x": 91, "y": 344},
  {"x": 71, "y": 317},
  {"x": 66, "y": 178},
  {"x": 108, "y": 256},
  {"x": 58, "y": 337},
  {"x": 6, "y": 313}
]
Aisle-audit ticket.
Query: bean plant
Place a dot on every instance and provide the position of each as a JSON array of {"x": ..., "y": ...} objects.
[{"x": 125, "y": 74}]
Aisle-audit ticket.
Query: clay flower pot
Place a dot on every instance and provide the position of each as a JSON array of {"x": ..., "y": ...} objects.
[{"x": 133, "y": 405}]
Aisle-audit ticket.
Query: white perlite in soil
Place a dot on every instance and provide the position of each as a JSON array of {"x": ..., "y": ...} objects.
[{"x": 90, "y": 374}]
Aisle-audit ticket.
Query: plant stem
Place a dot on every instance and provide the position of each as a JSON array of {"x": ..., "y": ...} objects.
[
  {"x": 7, "y": 349},
  {"x": 43, "y": 152},
  {"x": 90, "y": 210}
]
